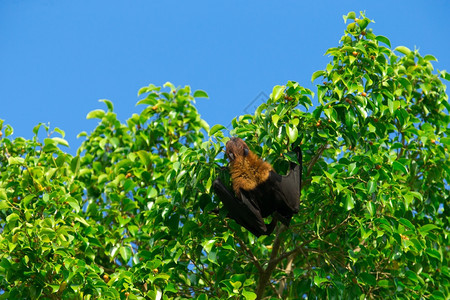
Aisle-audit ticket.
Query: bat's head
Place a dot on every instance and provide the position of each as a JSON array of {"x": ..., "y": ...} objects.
[{"x": 235, "y": 148}]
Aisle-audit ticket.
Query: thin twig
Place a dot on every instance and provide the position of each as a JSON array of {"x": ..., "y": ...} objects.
[
  {"x": 314, "y": 159},
  {"x": 299, "y": 248},
  {"x": 246, "y": 249}
]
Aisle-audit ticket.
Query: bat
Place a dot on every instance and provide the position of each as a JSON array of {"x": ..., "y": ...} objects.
[{"x": 259, "y": 191}]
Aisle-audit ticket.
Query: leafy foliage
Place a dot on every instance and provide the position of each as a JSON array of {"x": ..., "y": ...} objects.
[{"x": 131, "y": 215}]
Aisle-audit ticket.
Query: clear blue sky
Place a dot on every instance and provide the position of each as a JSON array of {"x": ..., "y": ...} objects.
[{"x": 59, "y": 57}]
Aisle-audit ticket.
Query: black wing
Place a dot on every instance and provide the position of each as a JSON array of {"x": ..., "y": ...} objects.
[
  {"x": 244, "y": 211},
  {"x": 288, "y": 191},
  {"x": 279, "y": 195}
]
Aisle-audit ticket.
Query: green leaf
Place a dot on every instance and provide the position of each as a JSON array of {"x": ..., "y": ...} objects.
[
  {"x": 75, "y": 164},
  {"x": 367, "y": 278},
  {"x": 399, "y": 167},
  {"x": 433, "y": 253},
  {"x": 4, "y": 204},
  {"x": 216, "y": 128},
  {"x": 412, "y": 276},
  {"x": 207, "y": 245},
  {"x": 407, "y": 223},
  {"x": 144, "y": 157},
  {"x": 363, "y": 23},
  {"x": 319, "y": 280},
  {"x": 292, "y": 133},
  {"x": 403, "y": 50},
  {"x": 12, "y": 217},
  {"x": 73, "y": 203},
  {"x": 36, "y": 128},
  {"x": 152, "y": 193},
  {"x": 200, "y": 297},
  {"x": 405, "y": 83},
  {"x": 150, "y": 101},
  {"x": 277, "y": 92},
  {"x": 82, "y": 134},
  {"x": 317, "y": 74},
  {"x": 416, "y": 195},
  {"x": 125, "y": 253},
  {"x": 142, "y": 90},
  {"x": 147, "y": 89},
  {"x": 391, "y": 106},
  {"x": 249, "y": 295},
  {"x": 200, "y": 94},
  {"x": 16, "y": 160},
  {"x": 60, "y": 141},
  {"x": 351, "y": 15},
  {"x": 349, "y": 203},
  {"x": 96, "y": 114},
  {"x": 429, "y": 57},
  {"x": 445, "y": 75},
  {"x": 82, "y": 221},
  {"x": 60, "y": 131},
  {"x": 445, "y": 141},
  {"x": 371, "y": 186},
  {"x": 204, "y": 125},
  {"x": 108, "y": 103},
  {"x": 384, "y": 283},
  {"x": 427, "y": 227},
  {"x": 170, "y": 85},
  {"x": 275, "y": 119},
  {"x": 383, "y": 39},
  {"x": 438, "y": 295}
]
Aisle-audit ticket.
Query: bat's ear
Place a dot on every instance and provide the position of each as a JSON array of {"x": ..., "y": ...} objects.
[{"x": 231, "y": 156}]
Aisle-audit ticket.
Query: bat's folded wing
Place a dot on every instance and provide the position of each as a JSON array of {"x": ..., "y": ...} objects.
[{"x": 243, "y": 211}]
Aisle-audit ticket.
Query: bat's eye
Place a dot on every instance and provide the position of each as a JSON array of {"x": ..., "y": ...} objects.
[{"x": 245, "y": 151}]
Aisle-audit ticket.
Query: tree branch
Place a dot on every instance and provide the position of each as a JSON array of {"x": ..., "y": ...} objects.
[
  {"x": 249, "y": 252},
  {"x": 265, "y": 275},
  {"x": 288, "y": 271},
  {"x": 299, "y": 248},
  {"x": 313, "y": 161}
]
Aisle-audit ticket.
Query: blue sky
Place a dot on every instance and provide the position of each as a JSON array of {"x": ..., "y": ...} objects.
[{"x": 59, "y": 57}]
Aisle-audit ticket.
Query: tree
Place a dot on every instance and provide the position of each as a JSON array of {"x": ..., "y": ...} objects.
[{"x": 130, "y": 216}]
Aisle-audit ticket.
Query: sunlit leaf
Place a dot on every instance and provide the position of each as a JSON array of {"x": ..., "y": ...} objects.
[
  {"x": 277, "y": 92},
  {"x": 292, "y": 133},
  {"x": 430, "y": 57},
  {"x": 427, "y": 227},
  {"x": 275, "y": 119},
  {"x": 351, "y": 15},
  {"x": 200, "y": 94},
  {"x": 407, "y": 223},
  {"x": 108, "y": 103},
  {"x": 60, "y": 141},
  {"x": 125, "y": 253},
  {"x": 349, "y": 202},
  {"x": 316, "y": 75},
  {"x": 319, "y": 280},
  {"x": 248, "y": 295},
  {"x": 95, "y": 114},
  {"x": 383, "y": 39},
  {"x": 403, "y": 50},
  {"x": 216, "y": 128},
  {"x": 399, "y": 167}
]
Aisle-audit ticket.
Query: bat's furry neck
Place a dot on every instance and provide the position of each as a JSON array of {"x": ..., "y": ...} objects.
[{"x": 248, "y": 171}]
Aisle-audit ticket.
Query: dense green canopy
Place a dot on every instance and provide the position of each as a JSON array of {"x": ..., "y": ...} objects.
[{"x": 130, "y": 217}]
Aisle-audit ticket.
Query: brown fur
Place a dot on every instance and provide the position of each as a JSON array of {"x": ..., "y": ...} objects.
[{"x": 247, "y": 171}]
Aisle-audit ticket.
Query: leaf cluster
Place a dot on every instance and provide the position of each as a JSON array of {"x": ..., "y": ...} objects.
[{"x": 132, "y": 214}]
